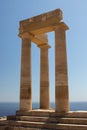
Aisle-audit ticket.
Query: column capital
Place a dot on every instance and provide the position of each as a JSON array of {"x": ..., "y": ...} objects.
[
  {"x": 62, "y": 25},
  {"x": 44, "y": 46},
  {"x": 26, "y": 35}
]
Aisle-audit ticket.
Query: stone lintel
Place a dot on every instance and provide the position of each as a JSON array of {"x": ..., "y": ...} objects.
[
  {"x": 44, "y": 29},
  {"x": 44, "y": 46},
  {"x": 42, "y": 17},
  {"x": 41, "y": 22},
  {"x": 38, "y": 39}
]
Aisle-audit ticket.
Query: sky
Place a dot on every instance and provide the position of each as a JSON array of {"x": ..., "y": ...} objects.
[{"x": 74, "y": 15}]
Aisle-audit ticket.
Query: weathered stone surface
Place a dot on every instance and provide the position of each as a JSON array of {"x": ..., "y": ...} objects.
[
  {"x": 46, "y": 119},
  {"x": 61, "y": 74},
  {"x": 25, "y": 85},
  {"x": 39, "y": 24},
  {"x": 3, "y": 118},
  {"x": 44, "y": 78},
  {"x": 52, "y": 113},
  {"x": 16, "y": 128},
  {"x": 43, "y": 17}
]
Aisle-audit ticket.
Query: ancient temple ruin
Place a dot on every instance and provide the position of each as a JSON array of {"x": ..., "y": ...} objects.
[
  {"x": 35, "y": 29},
  {"x": 61, "y": 118}
]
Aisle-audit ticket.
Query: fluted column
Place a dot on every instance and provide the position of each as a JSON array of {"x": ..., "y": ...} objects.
[
  {"x": 25, "y": 85},
  {"x": 61, "y": 74},
  {"x": 44, "y": 78}
]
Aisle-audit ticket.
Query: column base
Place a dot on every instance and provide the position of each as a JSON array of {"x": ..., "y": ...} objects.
[
  {"x": 62, "y": 106},
  {"x": 25, "y": 104}
]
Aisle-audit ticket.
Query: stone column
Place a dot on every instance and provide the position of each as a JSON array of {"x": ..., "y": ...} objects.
[
  {"x": 25, "y": 85},
  {"x": 44, "y": 78},
  {"x": 61, "y": 74}
]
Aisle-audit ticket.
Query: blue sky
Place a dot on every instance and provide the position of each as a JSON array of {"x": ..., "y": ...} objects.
[{"x": 74, "y": 15}]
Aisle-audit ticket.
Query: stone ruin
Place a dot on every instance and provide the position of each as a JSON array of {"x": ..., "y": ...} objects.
[
  {"x": 61, "y": 118},
  {"x": 35, "y": 29}
]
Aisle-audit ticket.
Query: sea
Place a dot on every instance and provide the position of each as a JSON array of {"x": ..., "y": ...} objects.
[{"x": 9, "y": 108}]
